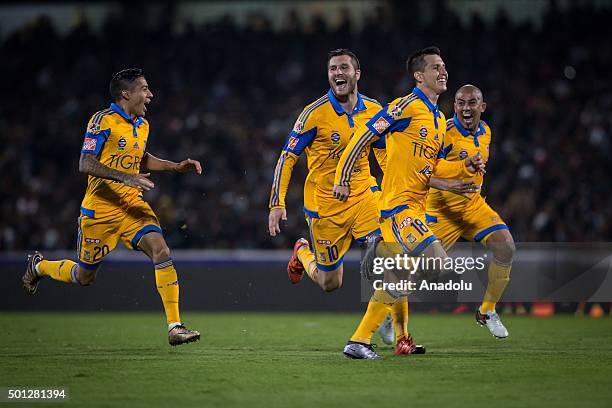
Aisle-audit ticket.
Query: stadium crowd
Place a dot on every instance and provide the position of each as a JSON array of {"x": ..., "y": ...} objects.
[{"x": 228, "y": 94}]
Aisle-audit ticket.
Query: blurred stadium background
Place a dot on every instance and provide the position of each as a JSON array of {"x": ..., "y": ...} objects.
[{"x": 230, "y": 78}]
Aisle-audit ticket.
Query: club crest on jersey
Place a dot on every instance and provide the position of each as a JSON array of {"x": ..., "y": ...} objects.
[
  {"x": 335, "y": 138},
  {"x": 423, "y": 133},
  {"x": 135, "y": 145},
  {"x": 411, "y": 238},
  {"x": 426, "y": 170},
  {"x": 298, "y": 127},
  {"x": 463, "y": 154},
  {"x": 293, "y": 141},
  {"x": 90, "y": 143},
  {"x": 395, "y": 111},
  {"x": 436, "y": 137},
  {"x": 381, "y": 125},
  {"x": 121, "y": 143}
]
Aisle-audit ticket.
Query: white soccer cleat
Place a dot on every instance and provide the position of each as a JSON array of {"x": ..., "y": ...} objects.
[
  {"x": 492, "y": 321},
  {"x": 386, "y": 331},
  {"x": 360, "y": 351}
]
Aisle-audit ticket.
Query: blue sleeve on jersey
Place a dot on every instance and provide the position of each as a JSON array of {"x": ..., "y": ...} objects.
[
  {"x": 381, "y": 143},
  {"x": 383, "y": 123},
  {"x": 296, "y": 143},
  {"x": 94, "y": 141},
  {"x": 444, "y": 151}
]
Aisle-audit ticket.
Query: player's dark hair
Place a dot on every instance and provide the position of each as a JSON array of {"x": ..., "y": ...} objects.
[
  {"x": 343, "y": 51},
  {"x": 416, "y": 62},
  {"x": 123, "y": 80}
]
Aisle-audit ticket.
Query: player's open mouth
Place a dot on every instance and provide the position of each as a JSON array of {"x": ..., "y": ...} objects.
[
  {"x": 340, "y": 83},
  {"x": 467, "y": 117},
  {"x": 442, "y": 80}
]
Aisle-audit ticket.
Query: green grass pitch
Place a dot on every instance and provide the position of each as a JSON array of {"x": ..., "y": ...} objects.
[{"x": 282, "y": 360}]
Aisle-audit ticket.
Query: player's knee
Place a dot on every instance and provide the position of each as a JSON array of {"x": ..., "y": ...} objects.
[
  {"x": 161, "y": 253},
  {"x": 504, "y": 251},
  {"x": 331, "y": 282},
  {"x": 86, "y": 277}
]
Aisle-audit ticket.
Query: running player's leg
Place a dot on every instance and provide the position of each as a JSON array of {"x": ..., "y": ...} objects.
[
  {"x": 97, "y": 237},
  {"x": 141, "y": 230},
  {"x": 487, "y": 227},
  {"x": 322, "y": 260}
]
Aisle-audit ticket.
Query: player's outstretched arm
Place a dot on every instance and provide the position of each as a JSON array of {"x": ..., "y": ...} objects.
[
  {"x": 152, "y": 163},
  {"x": 90, "y": 165}
]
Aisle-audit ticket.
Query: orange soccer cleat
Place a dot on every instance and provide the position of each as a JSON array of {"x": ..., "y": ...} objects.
[{"x": 295, "y": 268}]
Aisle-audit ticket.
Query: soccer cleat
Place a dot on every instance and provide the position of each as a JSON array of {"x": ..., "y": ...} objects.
[
  {"x": 31, "y": 278},
  {"x": 367, "y": 262},
  {"x": 181, "y": 335},
  {"x": 386, "y": 331},
  {"x": 405, "y": 345},
  {"x": 360, "y": 351},
  {"x": 492, "y": 321},
  {"x": 295, "y": 268}
]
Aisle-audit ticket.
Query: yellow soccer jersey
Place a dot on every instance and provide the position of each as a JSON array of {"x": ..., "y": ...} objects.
[
  {"x": 414, "y": 129},
  {"x": 119, "y": 143},
  {"x": 323, "y": 130},
  {"x": 460, "y": 144}
]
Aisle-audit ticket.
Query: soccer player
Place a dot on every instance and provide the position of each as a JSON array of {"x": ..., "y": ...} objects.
[
  {"x": 452, "y": 216},
  {"x": 323, "y": 130},
  {"x": 414, "y": 129},
  {"x": 113, "y": 155}
]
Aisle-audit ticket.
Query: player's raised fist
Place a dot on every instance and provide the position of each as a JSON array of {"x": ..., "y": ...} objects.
[
  {"x": 189, "y": 165},
  {"x": 475, "y": 164}
]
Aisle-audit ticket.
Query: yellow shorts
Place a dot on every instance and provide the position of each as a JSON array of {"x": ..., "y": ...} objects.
[
  {"x": 406, "y": 227},
  {"x": 331, "y": 237},
  {"x": 98, "y": 235},
  {"x": 474, "y": 224}
]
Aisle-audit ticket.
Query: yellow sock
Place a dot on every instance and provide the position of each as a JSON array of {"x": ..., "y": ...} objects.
[
  {"x": 58, "y": 270},
  {"x": 499, "y": 276},
  {"x": 374, "y": 316},
  {"x": 307, "y": 259},
  {"x": 399, "y": 313},
  {"x": 168, "y": 288}
]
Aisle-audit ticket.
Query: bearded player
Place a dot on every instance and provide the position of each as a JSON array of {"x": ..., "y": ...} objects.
[
  {"x": 113, "y": 209},
  {"x": 451, "y": 216},
  {"x": 322, "y": 131}
]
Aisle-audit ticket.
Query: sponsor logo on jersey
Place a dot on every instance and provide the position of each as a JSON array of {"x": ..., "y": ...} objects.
[
  {"x": 298, "y": 127},
  {"x": 335, "y": 138},
  {"x": 293, "y": 141},
  {"x": 423, "y": 133},
  {"x": 124, "y": 161},
  {"x": 395, "y": 111},
  {"x": 463, "y": 154},
  {"x": 426, "y": 170},
  {"x": 324, "y": 241},
  {"x": 121, "y": 143},
  {"x": 422, "y": 150},
  {"x": 381, "y": 125},
  {"x": 405, "y": 222},
  {"x": 90, "y": 143},
  {"x": 92, "y": 240}
]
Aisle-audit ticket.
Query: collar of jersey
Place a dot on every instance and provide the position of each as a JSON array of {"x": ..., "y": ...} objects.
[
  {"x": 466, "y": 132},
  {"x": 125, "y": 116},
  {"x": 432, "y": 108},
  {"x": 360, "y": 106}
]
